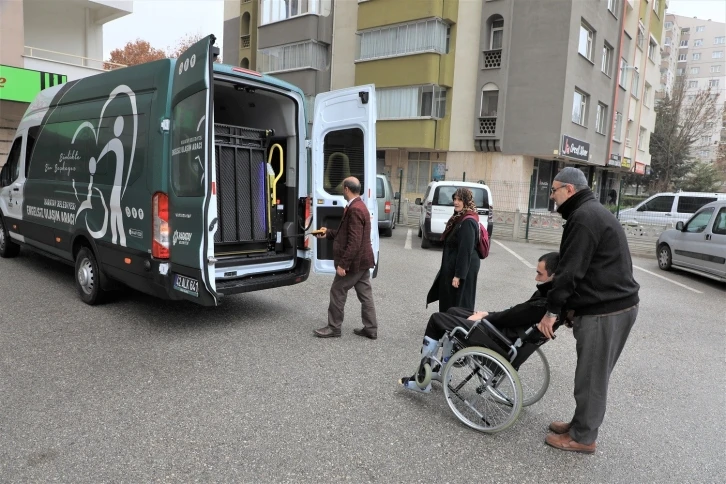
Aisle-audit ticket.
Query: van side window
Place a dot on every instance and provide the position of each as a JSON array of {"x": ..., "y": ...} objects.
[
  {"x": 12, "y": 170},
  {"x": 699, "y": 222},
  {"x": 343, "y": 156},
  {"x": 719, "y": 226},
  {"x": 692, "y": 204},
  {"x": 380, "y": 189},
  {"x": 30, "y": 146},
  {"x": 663, "y": 203}
]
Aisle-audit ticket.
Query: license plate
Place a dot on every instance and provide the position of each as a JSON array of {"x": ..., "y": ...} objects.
[{"x": 186, "y": 285}]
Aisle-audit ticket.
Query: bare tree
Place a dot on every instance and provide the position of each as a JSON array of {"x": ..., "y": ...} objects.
[
  {"x": 184, "y": 43},
  {"x": 681, "y": 120}
]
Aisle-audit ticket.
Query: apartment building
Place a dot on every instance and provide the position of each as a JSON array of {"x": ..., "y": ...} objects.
[
  {"x": 701, "y": 62},
  {"x": 464, "y": 91},
  {"x": 43, "y": 43},
  {"x": 669, "y": 56}
]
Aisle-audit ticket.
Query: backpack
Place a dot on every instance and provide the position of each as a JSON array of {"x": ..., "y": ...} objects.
[{"x": 482, "y": 242}]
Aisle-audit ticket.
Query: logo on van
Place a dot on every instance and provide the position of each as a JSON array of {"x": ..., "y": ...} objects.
[
  {"x": 116, "y": 148},
  {"x": 182, "y": 238}
]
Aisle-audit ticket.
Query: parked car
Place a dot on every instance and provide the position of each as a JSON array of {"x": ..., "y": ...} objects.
[
  {"x": 438, "y": 207},
  {"x": 699, "y": 245},
  {"x": 386, "y": 209},
  {"x": 667, "y": 208}
]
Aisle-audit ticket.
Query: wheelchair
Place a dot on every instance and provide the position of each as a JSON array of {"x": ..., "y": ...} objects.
[{"x": 487, "y": 385}]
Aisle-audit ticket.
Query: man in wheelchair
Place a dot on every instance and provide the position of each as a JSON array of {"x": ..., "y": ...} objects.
[{"x": 512, "y": 323}]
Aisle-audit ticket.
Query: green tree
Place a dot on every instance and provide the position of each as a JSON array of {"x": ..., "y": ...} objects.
[
  {"x": 703, "y": 177},
  {"x": 681, "y": 120}
]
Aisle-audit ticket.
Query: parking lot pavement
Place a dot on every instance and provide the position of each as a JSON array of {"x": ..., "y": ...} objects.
[{"x": 142, "y": 390}]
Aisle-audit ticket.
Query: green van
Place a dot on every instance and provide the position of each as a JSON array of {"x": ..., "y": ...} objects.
[{"x": 185, "y": 178}]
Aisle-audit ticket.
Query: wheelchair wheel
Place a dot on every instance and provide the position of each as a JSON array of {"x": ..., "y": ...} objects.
[
  {"x": 476, "y": 383},
  {"x": 423, "y": 374},
  {"x": 534, "y": 375}
]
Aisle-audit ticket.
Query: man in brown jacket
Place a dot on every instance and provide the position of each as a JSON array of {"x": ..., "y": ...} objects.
[{"x": 353, "y": 257}]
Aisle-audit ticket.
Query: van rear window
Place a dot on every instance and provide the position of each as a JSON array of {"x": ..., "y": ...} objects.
[
  {"x": 444, "y": 196},
  {"x": 692, "y": 204}
]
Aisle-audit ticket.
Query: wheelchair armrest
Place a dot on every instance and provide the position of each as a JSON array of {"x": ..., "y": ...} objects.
[{"x": 494, "y": 331}]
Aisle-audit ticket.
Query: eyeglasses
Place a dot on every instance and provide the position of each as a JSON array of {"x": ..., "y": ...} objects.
[{"x": 553, "y": 189}]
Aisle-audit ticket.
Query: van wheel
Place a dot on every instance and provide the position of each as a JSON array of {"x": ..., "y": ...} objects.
[
  {"x": 664, "y": 257},
  {"x": 425, "y": 243},
  {"x": 8, "y": 248},
  {"x": 88, "y": 277},
  {"x": 387, "y": 232},
  {"x": 420, "y": 233}
]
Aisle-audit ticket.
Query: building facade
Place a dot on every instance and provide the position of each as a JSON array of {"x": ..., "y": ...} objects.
[
  {"x": 44, "y": 42},
  {"x": 503, "y": 91}
]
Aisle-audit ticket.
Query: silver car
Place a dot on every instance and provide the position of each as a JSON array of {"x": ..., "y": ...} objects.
[
  {"x": 386, "y": 206},
  {"x": 699, "y": 245}
]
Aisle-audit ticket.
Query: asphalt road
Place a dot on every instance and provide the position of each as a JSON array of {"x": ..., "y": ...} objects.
[{"x": 142, "y": 390}]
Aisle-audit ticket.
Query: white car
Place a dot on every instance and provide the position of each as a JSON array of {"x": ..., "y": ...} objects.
[
  {"x": 699, "y": 245},
  {"x": 438, "y": 207},
  {"x": 667, "y": 208}
]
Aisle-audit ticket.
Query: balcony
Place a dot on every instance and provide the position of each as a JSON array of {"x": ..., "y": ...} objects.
[
  {"x": 73, "y": 66},
  {"x": 487, "y": 125},
  {"x": 245, "y": 42},
  {"x": 492, "y": 59}
]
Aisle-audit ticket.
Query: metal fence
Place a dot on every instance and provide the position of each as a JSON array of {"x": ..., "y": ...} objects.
[{"x": 524, "y": 212}]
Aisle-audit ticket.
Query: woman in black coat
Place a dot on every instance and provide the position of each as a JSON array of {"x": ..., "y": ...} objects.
[{"x": 455, "y": 284}]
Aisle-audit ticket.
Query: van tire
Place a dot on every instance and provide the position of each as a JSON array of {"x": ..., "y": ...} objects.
[
  {"x": 420, "y": 233},
  {"x": 425, "y": 243},
  {"x": 387, "y": 232},
  {"x": 88, "y": 277},
  {"x": 8, "y": 248},
  {"x": 665, "y": 259}
]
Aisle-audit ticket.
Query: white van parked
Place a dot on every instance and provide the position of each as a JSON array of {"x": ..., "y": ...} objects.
[
  {"x": 438, "y": 207},
  {"x": 668, "y": 208}
]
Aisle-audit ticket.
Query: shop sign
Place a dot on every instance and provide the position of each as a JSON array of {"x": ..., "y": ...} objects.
[
  {"x": 575, "y": 149},
  {"x": 22, "y": 85},
  {"x": 639, "y": 168},
  {"x": 615, "y": 160},
  {"x": 627, "y": 162}
]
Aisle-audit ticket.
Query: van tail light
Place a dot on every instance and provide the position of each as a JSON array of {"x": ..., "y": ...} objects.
[
  {"x": 428, "y": 209},
  {"x": 160, "y": 242},
  {"x": 388, "y": 207},
  {"x": 490, "y": 217},
  {"x": 308, "y": 219}
]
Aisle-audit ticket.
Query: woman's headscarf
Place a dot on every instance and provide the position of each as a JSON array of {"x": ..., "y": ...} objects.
[{"x": 469, "y": 208}]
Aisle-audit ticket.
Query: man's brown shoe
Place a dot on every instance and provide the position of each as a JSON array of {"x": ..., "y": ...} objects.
[
  {"x": 560, "y": 427},
  {"x": 565, "y": 442},
  {"x": 366, "y": 332},
  {"x": 327, "y": 332}
]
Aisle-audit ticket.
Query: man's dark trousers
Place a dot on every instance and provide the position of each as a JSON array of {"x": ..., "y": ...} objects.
[
  {"x": 600, "y": 340},
  {"x": 361, "y": 281}
]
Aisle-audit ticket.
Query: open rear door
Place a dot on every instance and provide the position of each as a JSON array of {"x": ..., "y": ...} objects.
[
  {"x": 192, "y": 208},
  {"x": 343, "y": 145}
]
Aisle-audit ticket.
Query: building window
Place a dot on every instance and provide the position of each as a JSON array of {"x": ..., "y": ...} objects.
[
  {"x": 667, "y": 41},
  {"x": 696, "y": 56},
  {"x": 276, "y": 10},
  {"x": 418, "y": 174},
  {"x": 681, "y": 57},
  {"x": 601, "y": 118},
  {"x": 587, "y": 36},
  {"x": 427, "y": 101},
  {"x": 719, "y": 40},
  {"x": 623, "y": 80},
  {"x": 617, "y": 126},
  {"x": 717, "y": 54},
  {"x": 713, "y": 83},
  {"x": 684, "y": 43},
  {"x": 705, "y": 140},
  {"x": 715, "y": 68},
  {"x": 698, "y": 43},
  {"x": 403, "y": 39},
  {"x": 579, "y": 108},
  {"x": 489, "y": 100},
  {"x": 656, "y": 6},
  {"x": 641, "y": 139},
  {"x": 652, "y": 46},
  {"x": 607, "y": 59},
  {"x": 703, "y": 153},
  {"x": 680, "y": 71},
  {"x": 646, "y": 94},
  {"x": 700, "y": 28},
  {"x": 692, "y": 84},
  {"x": 495, "y": 42},
  {"x": 668, "y": 25},
  {"x": 290, "y": 57},
  {"x": 613, "y": 6},
  {"x": 635, "y": 86},
  {"x": 695, "y": 70}
]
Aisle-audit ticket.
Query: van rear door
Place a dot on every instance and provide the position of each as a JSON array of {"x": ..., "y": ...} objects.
[
  {"x": 343, "y": 145},
  {"x": 192, "y": 205}
]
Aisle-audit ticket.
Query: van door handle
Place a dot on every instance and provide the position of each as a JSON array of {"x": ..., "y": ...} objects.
[
  {"x": 708, "y": 236},
  {"x": 16, "y": 189}
]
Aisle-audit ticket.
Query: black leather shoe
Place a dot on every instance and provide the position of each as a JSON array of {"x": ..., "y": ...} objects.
[
  {"x": 366, "y": 333},
  {"x": 327, "y": 332}
]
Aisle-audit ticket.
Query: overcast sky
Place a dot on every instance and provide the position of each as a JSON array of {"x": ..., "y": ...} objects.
[{"x": 164, "y": 22}]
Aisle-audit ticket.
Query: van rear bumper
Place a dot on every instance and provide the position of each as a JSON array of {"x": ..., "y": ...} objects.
[{"x": 296, "y": 275}]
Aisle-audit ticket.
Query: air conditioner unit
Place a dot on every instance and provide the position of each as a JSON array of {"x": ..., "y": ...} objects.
[{"x": 627, "y": 142}]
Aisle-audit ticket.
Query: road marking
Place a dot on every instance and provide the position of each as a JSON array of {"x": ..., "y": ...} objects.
[
  {"x": 521, "y": 259},
  {"x": 669, "y": 280},
  {"x": 408, "y": 240}
]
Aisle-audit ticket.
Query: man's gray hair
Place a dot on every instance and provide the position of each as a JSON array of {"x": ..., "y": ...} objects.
[{"x": 572, "y": 176}]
